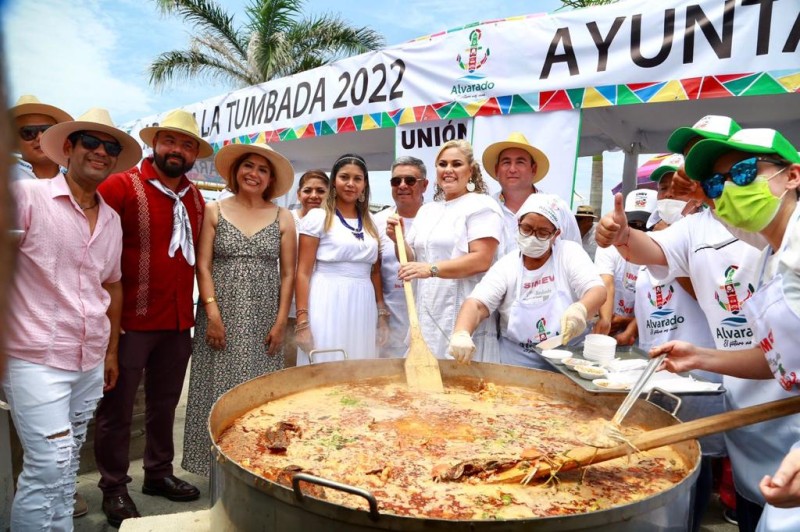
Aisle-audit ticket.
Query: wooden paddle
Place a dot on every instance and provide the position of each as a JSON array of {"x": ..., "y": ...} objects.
[
  {"x": 422, "y": 368},
  {"x": 584, "y": 456}
]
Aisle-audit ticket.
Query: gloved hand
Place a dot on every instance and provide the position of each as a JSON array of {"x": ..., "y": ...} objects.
[
  {"x": 461, "y": 346},
  {"x": 573, "y": 322}
]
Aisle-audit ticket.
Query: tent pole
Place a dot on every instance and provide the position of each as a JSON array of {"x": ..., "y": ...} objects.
[{"x": 629, "y": 168}]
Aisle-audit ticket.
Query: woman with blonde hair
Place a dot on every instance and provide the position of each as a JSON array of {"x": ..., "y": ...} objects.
[
  {"x": 245, "y": 272},
  {"x": 453, "y": 242},
  {"x": 339, "y": 295}
]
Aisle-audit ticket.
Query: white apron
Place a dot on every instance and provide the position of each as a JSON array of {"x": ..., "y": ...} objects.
[
  {"x": 667, "y": 312},
  {"x": 626, "y": 296},
  {"x": 531, "y": 323},
  {"x": 777, "y": 331}
]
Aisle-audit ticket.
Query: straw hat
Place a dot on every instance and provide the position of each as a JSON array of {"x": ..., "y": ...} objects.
[
  {"x": 178, "y": 121},
  {"x": 284, "y": 173},
  {"x": 29, "y": 104},
  {"x": 585, "y": 210},
  {"x": 516, "y": 140},
  {"x": 94, "y": 119}
]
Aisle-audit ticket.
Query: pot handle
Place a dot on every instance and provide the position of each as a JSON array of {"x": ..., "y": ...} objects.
[
  {"x": 316, "y": 351},
  {"x": 678, "y": 401},
  {"x": 305, "y": 477}
]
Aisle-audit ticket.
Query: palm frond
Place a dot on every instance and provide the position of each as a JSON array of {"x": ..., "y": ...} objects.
[
  {"x": 209, "y": 17},
  {"x": 270, "y": 20},
  {"x": 191, "y": 64}
]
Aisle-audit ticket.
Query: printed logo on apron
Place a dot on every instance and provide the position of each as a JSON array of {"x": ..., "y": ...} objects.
[
  {"x": 662, "y": 320},
  {"x": 734, "y": 331}
]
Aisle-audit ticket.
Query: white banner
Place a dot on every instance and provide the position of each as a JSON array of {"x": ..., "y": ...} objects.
[{"x": 628, "y": 42}]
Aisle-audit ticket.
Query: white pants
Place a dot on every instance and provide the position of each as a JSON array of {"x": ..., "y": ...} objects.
[{"x": 51, "y": 409}]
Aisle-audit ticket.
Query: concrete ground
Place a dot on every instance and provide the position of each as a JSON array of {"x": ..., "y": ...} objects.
[{"x": 190, "y": 515}]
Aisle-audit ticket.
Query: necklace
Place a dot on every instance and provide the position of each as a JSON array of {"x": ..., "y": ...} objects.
[
  {"x": 89, "y": 207},
  {"x": 357, "y": 232}
]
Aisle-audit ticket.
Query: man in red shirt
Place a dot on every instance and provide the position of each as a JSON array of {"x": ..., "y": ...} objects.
[{"x": 161, "y": 212}]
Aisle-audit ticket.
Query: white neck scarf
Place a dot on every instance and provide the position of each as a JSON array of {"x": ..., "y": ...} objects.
[{"x": 181, "y": 227}]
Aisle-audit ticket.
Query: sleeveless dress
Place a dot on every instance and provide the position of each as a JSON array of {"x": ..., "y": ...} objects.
[{"x": 247, "y": 286}]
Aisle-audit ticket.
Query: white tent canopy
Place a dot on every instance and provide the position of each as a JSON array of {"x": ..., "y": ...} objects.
[{"x": 635, "y": 70}]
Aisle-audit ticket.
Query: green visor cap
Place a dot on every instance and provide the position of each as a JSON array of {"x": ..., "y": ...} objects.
[
  {"x": 704, "y": 154},
  {"x": 670, "y": 164},
  {"x": 708, "y": 127}
]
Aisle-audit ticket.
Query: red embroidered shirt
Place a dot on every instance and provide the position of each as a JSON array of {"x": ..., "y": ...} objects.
[{"x": 157, "y": 289}]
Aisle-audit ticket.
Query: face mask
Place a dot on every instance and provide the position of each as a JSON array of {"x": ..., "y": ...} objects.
[
  {"x": 670, "y": 210},
  {"x": 531, "y": 246},
  {"x": 751, "y": 207}
]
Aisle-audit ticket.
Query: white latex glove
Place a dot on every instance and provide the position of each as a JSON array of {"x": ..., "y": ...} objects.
[
  {"x": 461, "y": 346},
  {"x": 573, "y": 322}
]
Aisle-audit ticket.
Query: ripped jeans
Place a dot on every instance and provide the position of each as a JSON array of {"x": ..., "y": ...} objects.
[{"x": 51, "y": 409}]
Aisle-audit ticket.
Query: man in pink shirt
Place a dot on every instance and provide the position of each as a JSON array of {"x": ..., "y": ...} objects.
[{"x": 65, "y": 306}]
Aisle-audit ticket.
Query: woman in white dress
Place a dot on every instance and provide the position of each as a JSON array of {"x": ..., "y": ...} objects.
[
  {"x": 453, "y": 242},
  {"x": 311, "y": 192},
  {"x": 548, "y": 287},
  {"x": 338, "y": 291},
  {"x": 754, "y": 178}
]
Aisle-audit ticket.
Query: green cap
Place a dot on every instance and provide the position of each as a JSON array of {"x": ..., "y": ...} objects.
[
  {"x": 708, "y": 127},
  {"x": 670, "y": 164},
  {"x": 704, "y": 154}
]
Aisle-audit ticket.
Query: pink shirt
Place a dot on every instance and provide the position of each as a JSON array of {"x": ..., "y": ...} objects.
[{"x": 57, "y": 312}]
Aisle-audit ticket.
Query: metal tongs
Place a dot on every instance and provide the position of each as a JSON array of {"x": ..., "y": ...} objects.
[{"x": 612, "y": 430}]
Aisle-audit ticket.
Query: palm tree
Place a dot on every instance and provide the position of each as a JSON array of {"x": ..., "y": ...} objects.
[
  {"x": 596, "y": 189},
  {"x": 276, "y": 41}
]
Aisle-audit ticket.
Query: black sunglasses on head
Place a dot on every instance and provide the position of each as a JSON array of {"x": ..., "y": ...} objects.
[
  {"x": 28, "y": 133},
  {"x": 409, "y": 180},
  {"x": 91, "y": 143}
]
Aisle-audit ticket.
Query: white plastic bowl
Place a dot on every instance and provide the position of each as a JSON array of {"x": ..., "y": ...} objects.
[
  {"x": 557, "y": 356},
  {"x": 572, "y": 362},
  {"x": 590, "y": 372}
]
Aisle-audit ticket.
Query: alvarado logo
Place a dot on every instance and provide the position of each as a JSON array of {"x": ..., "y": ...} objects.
[
  {"x": 473, "y": 83},
  {"x": 540, "y": 335},
  {"x": 788, "y": 379},
  {"x": 662, "y": 320},
  {"x": 734, "y": 332}
]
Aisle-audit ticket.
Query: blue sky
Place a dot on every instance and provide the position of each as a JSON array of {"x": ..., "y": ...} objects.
[{"x": 78, "y": 54}]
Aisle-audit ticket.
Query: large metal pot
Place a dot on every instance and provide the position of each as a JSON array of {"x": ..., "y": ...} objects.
[{"x": 241, "y": 500}]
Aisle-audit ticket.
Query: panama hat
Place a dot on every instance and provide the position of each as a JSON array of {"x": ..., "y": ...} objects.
[
  {"x": 30, "y": 105},
  {"x": 669, "y": 165},
  {"x": 585, "y": 210},
  {"x": 708, "y": 127},
  {"x": 703, "y": 155},
  {"x": 95, "y": 119},
  {"x": 179, "y": 121},
  {"x": 284, "y": 173},
  {"x": 516, "y": 140}
]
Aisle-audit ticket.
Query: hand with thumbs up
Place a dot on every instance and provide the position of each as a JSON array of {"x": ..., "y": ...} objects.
[{"x": 613, "y": 227}]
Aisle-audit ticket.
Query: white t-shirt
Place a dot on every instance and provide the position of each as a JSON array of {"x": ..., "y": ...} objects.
[
  {"x": 723, "y": 273},
  {"x": 498, "y": 289},
  {"x": 394, "y": 296},
  {"x": 608, "y": 261},
  {"x": 569, "y": 226},
  {"x": 589, "y": 242},
  {"x": 338, "y": 244}
]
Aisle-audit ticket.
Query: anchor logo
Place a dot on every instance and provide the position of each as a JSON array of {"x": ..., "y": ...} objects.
[
  {"x": 474, "y": 48},
  {"x": 661, "y": 298},
  {"x": 733, "y": 305}
]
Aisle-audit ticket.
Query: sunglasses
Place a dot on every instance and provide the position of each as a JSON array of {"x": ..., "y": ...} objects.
[
  {"x": 28, "y": 133},
  {"x": 742, "y": 173},
  {"x": 407, "y": 179},
  {"x": 91, "y": 143}
]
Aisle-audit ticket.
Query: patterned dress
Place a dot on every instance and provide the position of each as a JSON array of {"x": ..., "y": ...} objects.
[{"x": 247, "y": 286}]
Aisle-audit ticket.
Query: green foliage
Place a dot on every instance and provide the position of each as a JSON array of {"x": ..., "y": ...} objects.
[{"x": 276, "y": 41}]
